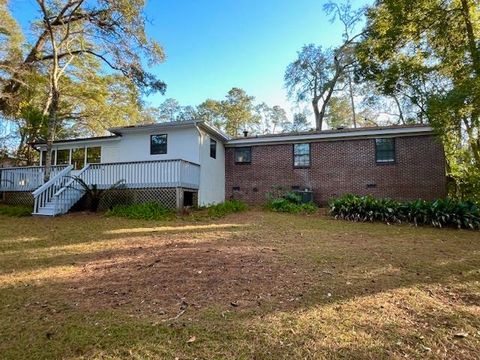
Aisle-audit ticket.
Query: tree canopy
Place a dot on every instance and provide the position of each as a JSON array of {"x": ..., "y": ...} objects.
[
  {"x": 428, "y": 52},
  {"x": 83, "y": 68}
]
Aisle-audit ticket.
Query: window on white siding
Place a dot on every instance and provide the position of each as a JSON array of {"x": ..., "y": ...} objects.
[
  {"x": 213, "y": 148},
  {"x": 301, "y": 155},
  {"x": 78, "y": 158},
  {"x": 63, "y": 157},
  {"x": 94, "y": 155},
  {"x": 158, "y": 144},
  {"x": 44, "y": 158}
]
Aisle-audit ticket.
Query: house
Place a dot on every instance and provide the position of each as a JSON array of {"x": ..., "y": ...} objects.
[
  {"x": 193, "y": 163},
  {"x": 398, "y": 162}
]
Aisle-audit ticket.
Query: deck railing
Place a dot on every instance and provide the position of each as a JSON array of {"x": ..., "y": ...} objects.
[
  {"x": 25, "y": 178},
  {"x": 145, "y": 174},
  {"x": 141, "y": 174}
]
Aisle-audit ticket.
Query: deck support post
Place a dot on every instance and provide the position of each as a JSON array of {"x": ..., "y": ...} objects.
[{"x": 179, "y": 198}]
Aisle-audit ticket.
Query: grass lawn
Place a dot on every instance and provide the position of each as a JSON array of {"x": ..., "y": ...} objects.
[{"x": 254, "y": 285}]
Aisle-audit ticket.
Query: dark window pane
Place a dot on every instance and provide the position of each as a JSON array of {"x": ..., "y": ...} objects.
[
  {"x": 78, "y": 158},
  {"x": 301, "y": 155},
  {"x": 385, "y": 150},
  {"x": 63, "y": 157},
  {"x": 213, "y": 148},
  {"x": 94, "y": 155},
  {"x": 158, "y": 144},
  {"x": 44, "y": 157},
  {"x": 243, "y": 155}
]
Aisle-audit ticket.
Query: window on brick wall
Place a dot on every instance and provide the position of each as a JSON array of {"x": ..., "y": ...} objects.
[
  {"x": 385, "y": 150},
  {"x": 243, "y": 155},
  {"x": 301, "y": 155}
]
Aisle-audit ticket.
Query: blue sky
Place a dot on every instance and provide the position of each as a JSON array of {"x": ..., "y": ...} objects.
[{"x": 212, "y": 46}]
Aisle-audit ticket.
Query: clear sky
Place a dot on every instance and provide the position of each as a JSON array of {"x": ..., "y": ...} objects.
[{"x": 214, "y": 45}]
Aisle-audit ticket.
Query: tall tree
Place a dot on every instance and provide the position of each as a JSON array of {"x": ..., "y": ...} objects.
[
  {"x": 339, "y": 112},
  {"x": 238, "y": 111},
  {"x": 314, "y": 76},
  {"x": 212, "y": 112},
  {"x": 429, "y": 51},
  {"x": 349, "y": 18},
  {"x": 233, "y": 115},
  {"x": 169, "y": 110},
  {"x": 299, "y": 123},
  {"x": 271, "y": 119},
  {"x": 69, "y": 34}
]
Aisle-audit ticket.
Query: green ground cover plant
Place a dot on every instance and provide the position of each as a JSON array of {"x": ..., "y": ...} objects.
[{"x": 439, "y": 213}]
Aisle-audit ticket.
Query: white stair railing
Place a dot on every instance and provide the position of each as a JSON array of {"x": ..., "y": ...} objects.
[
  {"x": 70, "y": 193},
  {"x": 45, "y": 193},
  {"x": 136, "y": 175}
]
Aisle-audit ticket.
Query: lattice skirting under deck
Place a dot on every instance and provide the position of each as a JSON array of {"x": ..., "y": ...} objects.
[
  {"x": 165, "y": 196},
  {"x": 17, "y": 198}
]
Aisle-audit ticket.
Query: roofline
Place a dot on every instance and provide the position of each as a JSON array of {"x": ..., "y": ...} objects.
[
  {"x": 172, "y": 125},
  {"x": 79, "y": 140},
  {"x": 332, "y": 135},
  {"x": 212, "y": 130}
]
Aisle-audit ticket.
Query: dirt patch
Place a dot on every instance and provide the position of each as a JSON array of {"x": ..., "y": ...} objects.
[{"x": 165, "y": 278}]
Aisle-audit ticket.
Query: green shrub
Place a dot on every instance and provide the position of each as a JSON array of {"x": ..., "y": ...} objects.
[
  {"x": 438, "y": 213},
  {"x": 290, "y": 203},
  {"x": 15, "y": 210},
  {"x": 225, "y": 208},
  {"x": 145, "y": 211}
]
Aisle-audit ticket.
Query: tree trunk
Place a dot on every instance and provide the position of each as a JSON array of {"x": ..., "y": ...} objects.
[
  {"x": 352, "y": 101},
  {"x": 472, "y": 40},
  {"x": 318, "y": 115},
  {"x": 52, "y": 125},
  {"x": 400, "y": 111},
  {"x": 327, "y": 98}
]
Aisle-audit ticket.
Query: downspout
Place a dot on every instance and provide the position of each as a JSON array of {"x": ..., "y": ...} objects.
[{"x": 195, "y": 123}]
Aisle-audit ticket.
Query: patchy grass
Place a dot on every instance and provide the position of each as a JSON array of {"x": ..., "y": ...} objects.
[
  {"x": 252, "y": 285},
  {"x": 15, "y": 210}
]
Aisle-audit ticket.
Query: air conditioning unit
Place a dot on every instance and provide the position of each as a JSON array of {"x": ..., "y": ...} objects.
[{"x": 306, "y": 195}]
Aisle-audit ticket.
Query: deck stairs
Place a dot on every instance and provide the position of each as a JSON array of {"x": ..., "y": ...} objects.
[{"x": 58, "y": 195}]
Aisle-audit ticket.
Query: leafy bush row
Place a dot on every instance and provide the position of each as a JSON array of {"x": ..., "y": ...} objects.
[
  {"x": 15, "y": 210},
  {"x": 290, "y": 203},
  {"x": 225, "y": 208},
  {"x": 439, "y": 213},
  {"x": 155, "y": 211}
]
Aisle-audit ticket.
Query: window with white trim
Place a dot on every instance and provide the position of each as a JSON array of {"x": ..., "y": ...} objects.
[
  {"x": 385, "y": 150},
  {"x": 301, "y": 155}
]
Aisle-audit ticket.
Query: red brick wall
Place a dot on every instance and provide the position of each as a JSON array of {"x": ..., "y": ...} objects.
[{"x": 339, "y": 167}]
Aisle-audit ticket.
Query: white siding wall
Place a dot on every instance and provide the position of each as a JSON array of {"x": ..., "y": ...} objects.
[
  {"x": 186, "y": 143},
  {"x": 135, "y": 146},
  {"x": 212, "y": 173}
]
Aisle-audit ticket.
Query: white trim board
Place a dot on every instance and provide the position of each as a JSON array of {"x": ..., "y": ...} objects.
[{"x": 359, "y": 134}]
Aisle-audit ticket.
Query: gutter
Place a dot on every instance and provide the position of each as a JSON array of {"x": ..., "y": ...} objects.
[{"x": 362, "y": 134}]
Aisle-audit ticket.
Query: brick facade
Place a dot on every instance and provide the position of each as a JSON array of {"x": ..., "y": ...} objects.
[{"x": 339, "y": 167}]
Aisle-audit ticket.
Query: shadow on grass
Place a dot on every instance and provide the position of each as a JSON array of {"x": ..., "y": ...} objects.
[{"x": 244, "y": 289}]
